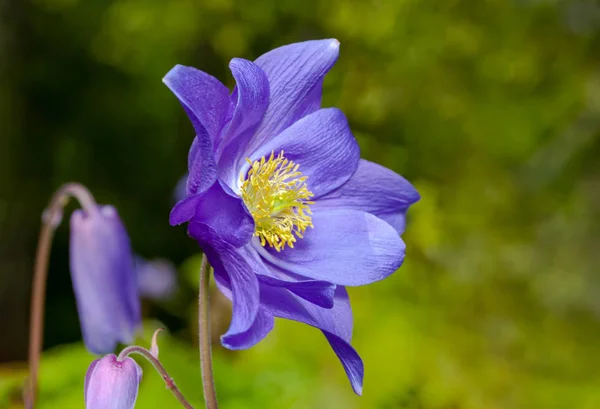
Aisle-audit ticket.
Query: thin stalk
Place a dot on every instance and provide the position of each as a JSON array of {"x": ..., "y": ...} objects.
[
  {"x": 51, "y": 218},
  {"x": 208, "y": 383},
  {"x": 36, "y": 320},
  {"x": 160, "y": 368}
]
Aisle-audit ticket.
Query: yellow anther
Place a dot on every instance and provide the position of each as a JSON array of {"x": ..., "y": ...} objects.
[{"x": 276, "y": 195}]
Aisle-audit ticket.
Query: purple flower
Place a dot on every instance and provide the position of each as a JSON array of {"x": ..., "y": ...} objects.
[
  {"x": 112, "y": 384},
  {"x": 103, "y": 276},
  {"x": 280, "y": 201}
]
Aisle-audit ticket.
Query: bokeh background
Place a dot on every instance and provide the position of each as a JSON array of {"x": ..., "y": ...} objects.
[{"x": 491, "y": 108}]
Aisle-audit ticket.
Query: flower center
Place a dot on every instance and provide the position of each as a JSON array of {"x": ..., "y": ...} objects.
[{"x": 276, "y": 195}]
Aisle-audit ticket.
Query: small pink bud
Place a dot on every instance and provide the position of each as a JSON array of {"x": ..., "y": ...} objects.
[{"x": 112, "y": 384}]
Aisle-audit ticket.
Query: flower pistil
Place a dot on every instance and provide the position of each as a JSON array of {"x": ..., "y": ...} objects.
[{"x": 276, "y": 194}]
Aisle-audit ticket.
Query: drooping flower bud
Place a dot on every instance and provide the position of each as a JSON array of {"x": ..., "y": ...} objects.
[
  {"x": 112, "y": 384},
  {"x": 103, "y": 275}
]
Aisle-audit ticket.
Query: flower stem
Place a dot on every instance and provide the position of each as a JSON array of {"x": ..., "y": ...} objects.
[
  {"x": 51, "y": 218},
  {"x": 160, "y": 368},
  {"x": 208, "y": 383},
  {"x": 36, "y": 320}
]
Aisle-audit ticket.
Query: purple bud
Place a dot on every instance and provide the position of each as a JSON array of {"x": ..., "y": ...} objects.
[
  {"x": 156, "y": 279},
  {"x": 112, "y": 384},
  {"x": 104, "y": 281}
]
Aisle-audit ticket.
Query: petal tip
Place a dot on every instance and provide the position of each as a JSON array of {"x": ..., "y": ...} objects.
[
  {"x": 226, "y": 341},
  {"x": 183, "y": 211},
  {"x": 167, "y": 78},
  {"x": 334, "y": 43},
  {"x": 411, "y": 193},
  {"x": 358, "y": 389},
  {"x": 237, "y": 60},
  {"x": 174, "y": 219},
  {"x": 416, "y": 196}
]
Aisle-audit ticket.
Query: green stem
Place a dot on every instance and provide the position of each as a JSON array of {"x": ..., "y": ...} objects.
[
  {"x": 134, "y": 349},
  {"x": 208, "y": 383}
]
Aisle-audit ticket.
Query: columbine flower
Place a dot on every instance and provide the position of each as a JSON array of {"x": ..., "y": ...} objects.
[
  {"x": 112, "y": 384},
  {"x": 280, "y": 201},
  {"x": 103, "y": 278}
]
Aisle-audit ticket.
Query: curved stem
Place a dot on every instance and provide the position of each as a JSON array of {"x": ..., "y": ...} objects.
[
  {"x": 208, "y": 383},
  {"x": 160, "y": 368},
  {"x": 53, "y": 213},
  {"x": 51, "y": 218},
  {"x": 36, "y": 320}
]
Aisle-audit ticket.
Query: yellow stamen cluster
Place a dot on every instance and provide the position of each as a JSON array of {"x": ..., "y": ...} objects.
[{"x": 276, "y": 195}]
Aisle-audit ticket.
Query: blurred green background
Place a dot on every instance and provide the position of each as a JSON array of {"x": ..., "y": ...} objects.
[{"x": 491, "y": 108}]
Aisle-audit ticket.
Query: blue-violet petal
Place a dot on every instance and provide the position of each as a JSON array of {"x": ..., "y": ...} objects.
[
  {"x": 373, "y": 189},
  {"x": 295, "y": 73},
  {"x": 336, "y": 324},
  {"x": 346, "y": 247},
  {"x": 252, "y": 98},
  {"x": 237, "y": 271},
  {"x": 203, "y": 95}
]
